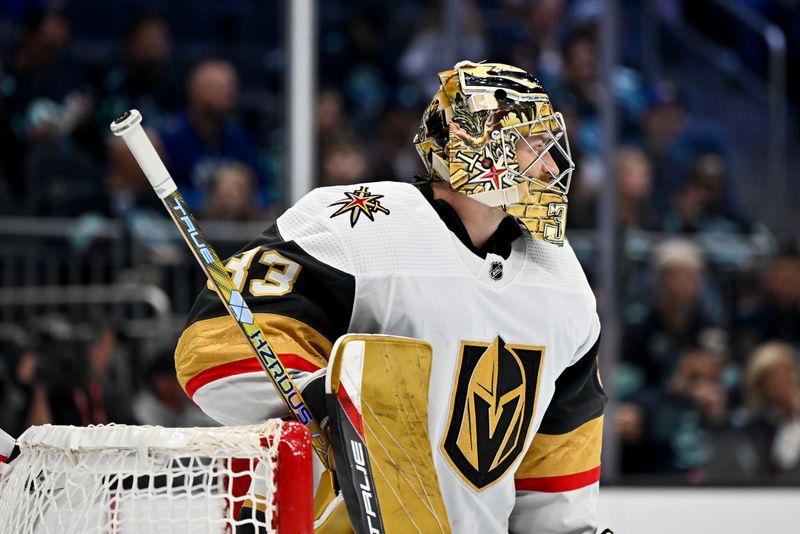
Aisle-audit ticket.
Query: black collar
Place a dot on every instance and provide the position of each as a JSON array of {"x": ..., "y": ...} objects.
[{"x": 498, "y": 243}]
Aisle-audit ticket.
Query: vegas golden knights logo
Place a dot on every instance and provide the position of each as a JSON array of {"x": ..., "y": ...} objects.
[
  {"x": 491, "y": 409},
  {"x": 358, "y": 202}
]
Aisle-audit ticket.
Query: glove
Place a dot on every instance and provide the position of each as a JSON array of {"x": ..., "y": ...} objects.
[{"x": 313, "y": 392}]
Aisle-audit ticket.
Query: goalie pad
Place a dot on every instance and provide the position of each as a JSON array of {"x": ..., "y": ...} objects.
[{"x": 377, "y": 396}]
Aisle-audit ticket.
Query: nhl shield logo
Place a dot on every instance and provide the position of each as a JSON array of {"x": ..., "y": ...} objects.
[
  {"x": 491, "y": 409},
  {"x": 496, "y": 270}
]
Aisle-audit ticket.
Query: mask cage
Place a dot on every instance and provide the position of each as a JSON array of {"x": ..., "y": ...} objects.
[{"x": 555, "y": 137}]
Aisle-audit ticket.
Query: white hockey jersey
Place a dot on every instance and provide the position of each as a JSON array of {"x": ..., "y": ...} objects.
[{"x": 514, "y": 401}]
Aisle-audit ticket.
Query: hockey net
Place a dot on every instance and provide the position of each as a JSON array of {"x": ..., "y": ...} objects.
[{"x": 125, "y": 479}]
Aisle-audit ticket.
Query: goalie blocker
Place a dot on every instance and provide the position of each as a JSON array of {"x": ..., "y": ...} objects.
[{"x": 377, "y": 395}]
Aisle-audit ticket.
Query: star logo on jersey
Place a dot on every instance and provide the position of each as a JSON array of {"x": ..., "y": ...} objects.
[
  {"x": 360, "y": 201},
  {"x": 491, "y": 409}
]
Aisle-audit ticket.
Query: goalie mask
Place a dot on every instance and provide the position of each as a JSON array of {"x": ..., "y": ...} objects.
[{"x": 491, "y": 133}]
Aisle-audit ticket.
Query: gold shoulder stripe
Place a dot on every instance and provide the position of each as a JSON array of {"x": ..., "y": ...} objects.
[
  {"x": 213, "y": 342},
  {"x": 563, "y": 454}
]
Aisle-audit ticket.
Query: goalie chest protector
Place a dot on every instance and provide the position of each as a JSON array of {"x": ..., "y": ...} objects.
[{"x": 502, "y": 329}]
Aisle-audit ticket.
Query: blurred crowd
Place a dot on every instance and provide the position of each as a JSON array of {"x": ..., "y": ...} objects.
[
  {"x": 56, "y": 372},
  {"x": 708, "y": 386}
]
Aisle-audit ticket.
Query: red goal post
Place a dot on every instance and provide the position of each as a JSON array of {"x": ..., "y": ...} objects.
[{"x": 125, "y": 479}]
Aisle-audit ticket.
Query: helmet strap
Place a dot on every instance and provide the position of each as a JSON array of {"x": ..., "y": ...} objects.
[
  {"x": 501, "y": 197},
  {"x": 440, "y": 166}
]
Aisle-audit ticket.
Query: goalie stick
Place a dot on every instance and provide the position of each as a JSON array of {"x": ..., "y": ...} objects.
[{"x": 128, "y": 126}]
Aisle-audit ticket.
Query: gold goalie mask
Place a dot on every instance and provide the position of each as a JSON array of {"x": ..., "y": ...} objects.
[{"x": 491, "y": 133}]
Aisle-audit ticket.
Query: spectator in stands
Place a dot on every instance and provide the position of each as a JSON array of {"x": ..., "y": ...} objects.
[
  {"x": 673, "y": 140},
  {"x": 84, "y": 376},
  {"x": 634, "y": 176},
  {"x": 635, "y": 214},
  {"x": 773, "y": 399},
  {"x": 129, "y": 199},
  {"x": 145, "y": 80},
  {"x": 364, "y": 65},
  {"x": 776, "y": 315},
  {"x": 664, "y": 120},
  {"x": 580, "y": 74},
  {"x": 390, "y": 158},
  {"x": 71, "y": 399},
  {"x": 37, "y": 69},
  {"x": 333, "y": 123},
  {"x": 22, "y": 394},
  {"x": 231, "y": 194},
  {"x": 163, "y": 402},
  {"x": 424, "y": 53},
  {"x": 536, "y": 37},
  {"x": 668, "y": 428},
  {"x": 208, "y": 133},
  {"x": 331, "y": 119},
  {"x": 703, "y": 203},
  {"x": 579, "y": 88},
  {"x": 52, "y": 160},
  {"x": 343, "y": 161},
  {"x": 61, "y": 178},
  {"x": 109, "y": 366},
  {"x": 675, "y": 319}
]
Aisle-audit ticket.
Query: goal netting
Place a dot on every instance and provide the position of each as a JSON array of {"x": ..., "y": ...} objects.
[{"x": 126, "y": 479}]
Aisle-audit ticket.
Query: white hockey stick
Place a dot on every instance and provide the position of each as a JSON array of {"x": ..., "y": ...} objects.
[{"x": 128, "y": 126}]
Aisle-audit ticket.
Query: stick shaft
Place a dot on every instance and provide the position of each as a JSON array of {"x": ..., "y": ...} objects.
[{"x": 129, "y": 128}]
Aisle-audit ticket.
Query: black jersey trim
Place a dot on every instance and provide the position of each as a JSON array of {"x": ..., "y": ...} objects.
[
  {"x": 578, "y": 397},
  {"x": 322, "y": 296}
]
